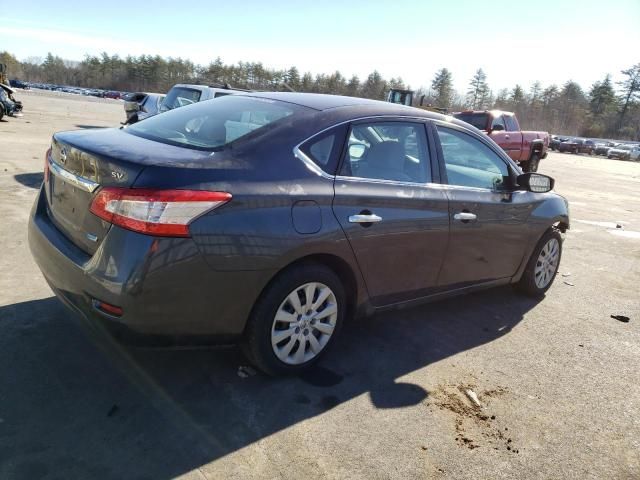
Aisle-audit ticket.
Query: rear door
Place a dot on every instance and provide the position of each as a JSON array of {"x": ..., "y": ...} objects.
[
  {"x": 396, "y": 220},
  {"x": 488, "y": 219}
]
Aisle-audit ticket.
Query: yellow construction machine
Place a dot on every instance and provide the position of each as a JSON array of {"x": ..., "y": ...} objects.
[{"x": 405, "y": 97}]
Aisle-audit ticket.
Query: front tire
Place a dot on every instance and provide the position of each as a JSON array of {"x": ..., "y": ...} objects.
[
  {"x": 543, "y": 265},
  {"x": 295, "y": 320}
]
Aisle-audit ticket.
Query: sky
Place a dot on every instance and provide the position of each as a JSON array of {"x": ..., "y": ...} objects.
[{"x": 513, "y": 42}]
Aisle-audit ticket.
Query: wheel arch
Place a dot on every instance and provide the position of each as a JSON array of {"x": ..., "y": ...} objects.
[
  {"x": 537, "y": 146},
  {"x": 558, "y": 225},
  {"x": 345, "y": 272},
  {"x": 550, "y": 214}
]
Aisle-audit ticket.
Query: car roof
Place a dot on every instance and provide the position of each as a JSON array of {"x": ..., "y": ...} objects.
[
  {"x": 320, "y": 102},
  {"x": 202, "y": 88},
  {"x": 494, "y": 112}
]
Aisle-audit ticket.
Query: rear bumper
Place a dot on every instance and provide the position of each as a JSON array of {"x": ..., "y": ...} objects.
[{"x": 163, "y": 285}]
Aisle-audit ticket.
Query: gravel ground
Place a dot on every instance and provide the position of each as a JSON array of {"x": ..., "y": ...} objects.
[{"x": 557, "y": 381}]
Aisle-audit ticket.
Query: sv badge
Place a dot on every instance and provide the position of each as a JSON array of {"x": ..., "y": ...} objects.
[{"x": 117, "y": 175}]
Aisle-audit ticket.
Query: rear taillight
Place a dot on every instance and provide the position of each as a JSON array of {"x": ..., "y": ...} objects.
[
  {"x": 155, "y": 212},
  {"x": 46, "y": 165}
]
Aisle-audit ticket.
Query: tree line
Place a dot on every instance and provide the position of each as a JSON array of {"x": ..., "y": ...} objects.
[{"x": 605, "y": 110}]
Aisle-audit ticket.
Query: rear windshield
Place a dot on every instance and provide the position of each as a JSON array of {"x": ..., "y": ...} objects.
[
  {"x": 478, "y": 120},
  {"x": 213, "y": 124}
]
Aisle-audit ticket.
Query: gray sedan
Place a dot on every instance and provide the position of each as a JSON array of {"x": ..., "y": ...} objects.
[{"x": 270, "y": 219}]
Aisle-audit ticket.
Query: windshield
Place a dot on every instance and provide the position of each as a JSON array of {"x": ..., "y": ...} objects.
[
  {"x": 213, "y": 124},
  {"x": 478, "y": 120},
  {"x": 180, "y": 97}
]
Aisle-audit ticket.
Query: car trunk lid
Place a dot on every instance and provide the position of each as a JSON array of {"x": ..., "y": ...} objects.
[
  {"x": 77, "y": 169},
  {"x": 82, "y": 162}
]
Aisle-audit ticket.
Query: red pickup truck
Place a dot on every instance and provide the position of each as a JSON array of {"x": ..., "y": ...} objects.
[{"x": 526, "y": 148}]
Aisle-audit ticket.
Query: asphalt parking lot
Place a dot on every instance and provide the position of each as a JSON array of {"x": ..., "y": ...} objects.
[{"x": 557, "y": 380}]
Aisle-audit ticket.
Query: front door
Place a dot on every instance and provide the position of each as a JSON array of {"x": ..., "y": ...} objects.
[
  {"x": 396, "y": 223},
  {"x": 488, "y": 233},
  {"x": 509, "y": 141}
]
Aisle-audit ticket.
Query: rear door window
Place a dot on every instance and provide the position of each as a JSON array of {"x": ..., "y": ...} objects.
[{"x": 394, "y": 151}]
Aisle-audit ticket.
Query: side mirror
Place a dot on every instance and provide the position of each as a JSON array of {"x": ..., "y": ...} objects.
[
  {"x": 356, "y": 150},
  {"x": 497, "y": 128},
  {"x": 535, "y": 182}
]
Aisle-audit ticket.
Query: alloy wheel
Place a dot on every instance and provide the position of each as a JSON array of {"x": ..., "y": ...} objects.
[
  {"x": 547, "y": 263},
  {"x": 304, "y": 323}
]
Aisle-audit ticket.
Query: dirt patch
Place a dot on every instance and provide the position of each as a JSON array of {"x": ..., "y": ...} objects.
[
  {"x": 496, "y": 392},
  {"x": 475, "y": 425}
]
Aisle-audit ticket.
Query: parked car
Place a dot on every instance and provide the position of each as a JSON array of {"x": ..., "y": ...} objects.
[
  {"x": 555, "y": 141},
  {"x": 603, "y": 148},
  {"x": 138, "y": 106},
  {"x": 588, "y": 146},
  {"x": 577, "y": 145},
  {"x": 112, "y": 94},
  {"x": 634, "y": 154},
  {"x": 19, "y": 84},
  {"x": 621, "y": 151},
  {"x": 244, "y": 219},
  {"x": 8, "y": 104},
  {"x": 183, "y": 94},
  {"x": 525, "y": 147}
]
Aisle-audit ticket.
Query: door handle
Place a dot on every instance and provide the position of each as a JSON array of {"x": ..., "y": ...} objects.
[
  {"x": 365, "y": 218},
  {"x": 506, "y": 137},
  {"x": 465, "y": 217}
]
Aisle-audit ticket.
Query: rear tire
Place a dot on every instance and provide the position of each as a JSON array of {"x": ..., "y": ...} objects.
[
  {"x": 543, "y": 265},
  {"x": 278, "y": 337}
]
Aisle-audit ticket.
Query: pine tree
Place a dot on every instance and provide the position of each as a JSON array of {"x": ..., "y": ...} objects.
[
  {"x": 292, "y": 77},
  {"x": 374, "y": 86},
  {"x": 442, "y": 85},
  {"x": 602, "y": 97},
  {"x": 478, "y": 90},
  {"x": 630, "y": 90},
  {"x": 353, "y": 86}
]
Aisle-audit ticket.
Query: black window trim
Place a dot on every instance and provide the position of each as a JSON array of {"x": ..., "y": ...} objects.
[
  {"x": 341, "y": 130},
  {"x": 511, "y": 166}
]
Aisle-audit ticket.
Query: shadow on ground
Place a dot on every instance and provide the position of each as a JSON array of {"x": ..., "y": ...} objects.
[
  {"x": 79, "y": 125},
  {"x": 74, "y": 404},
  {"x": 31, "y": 180}
]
